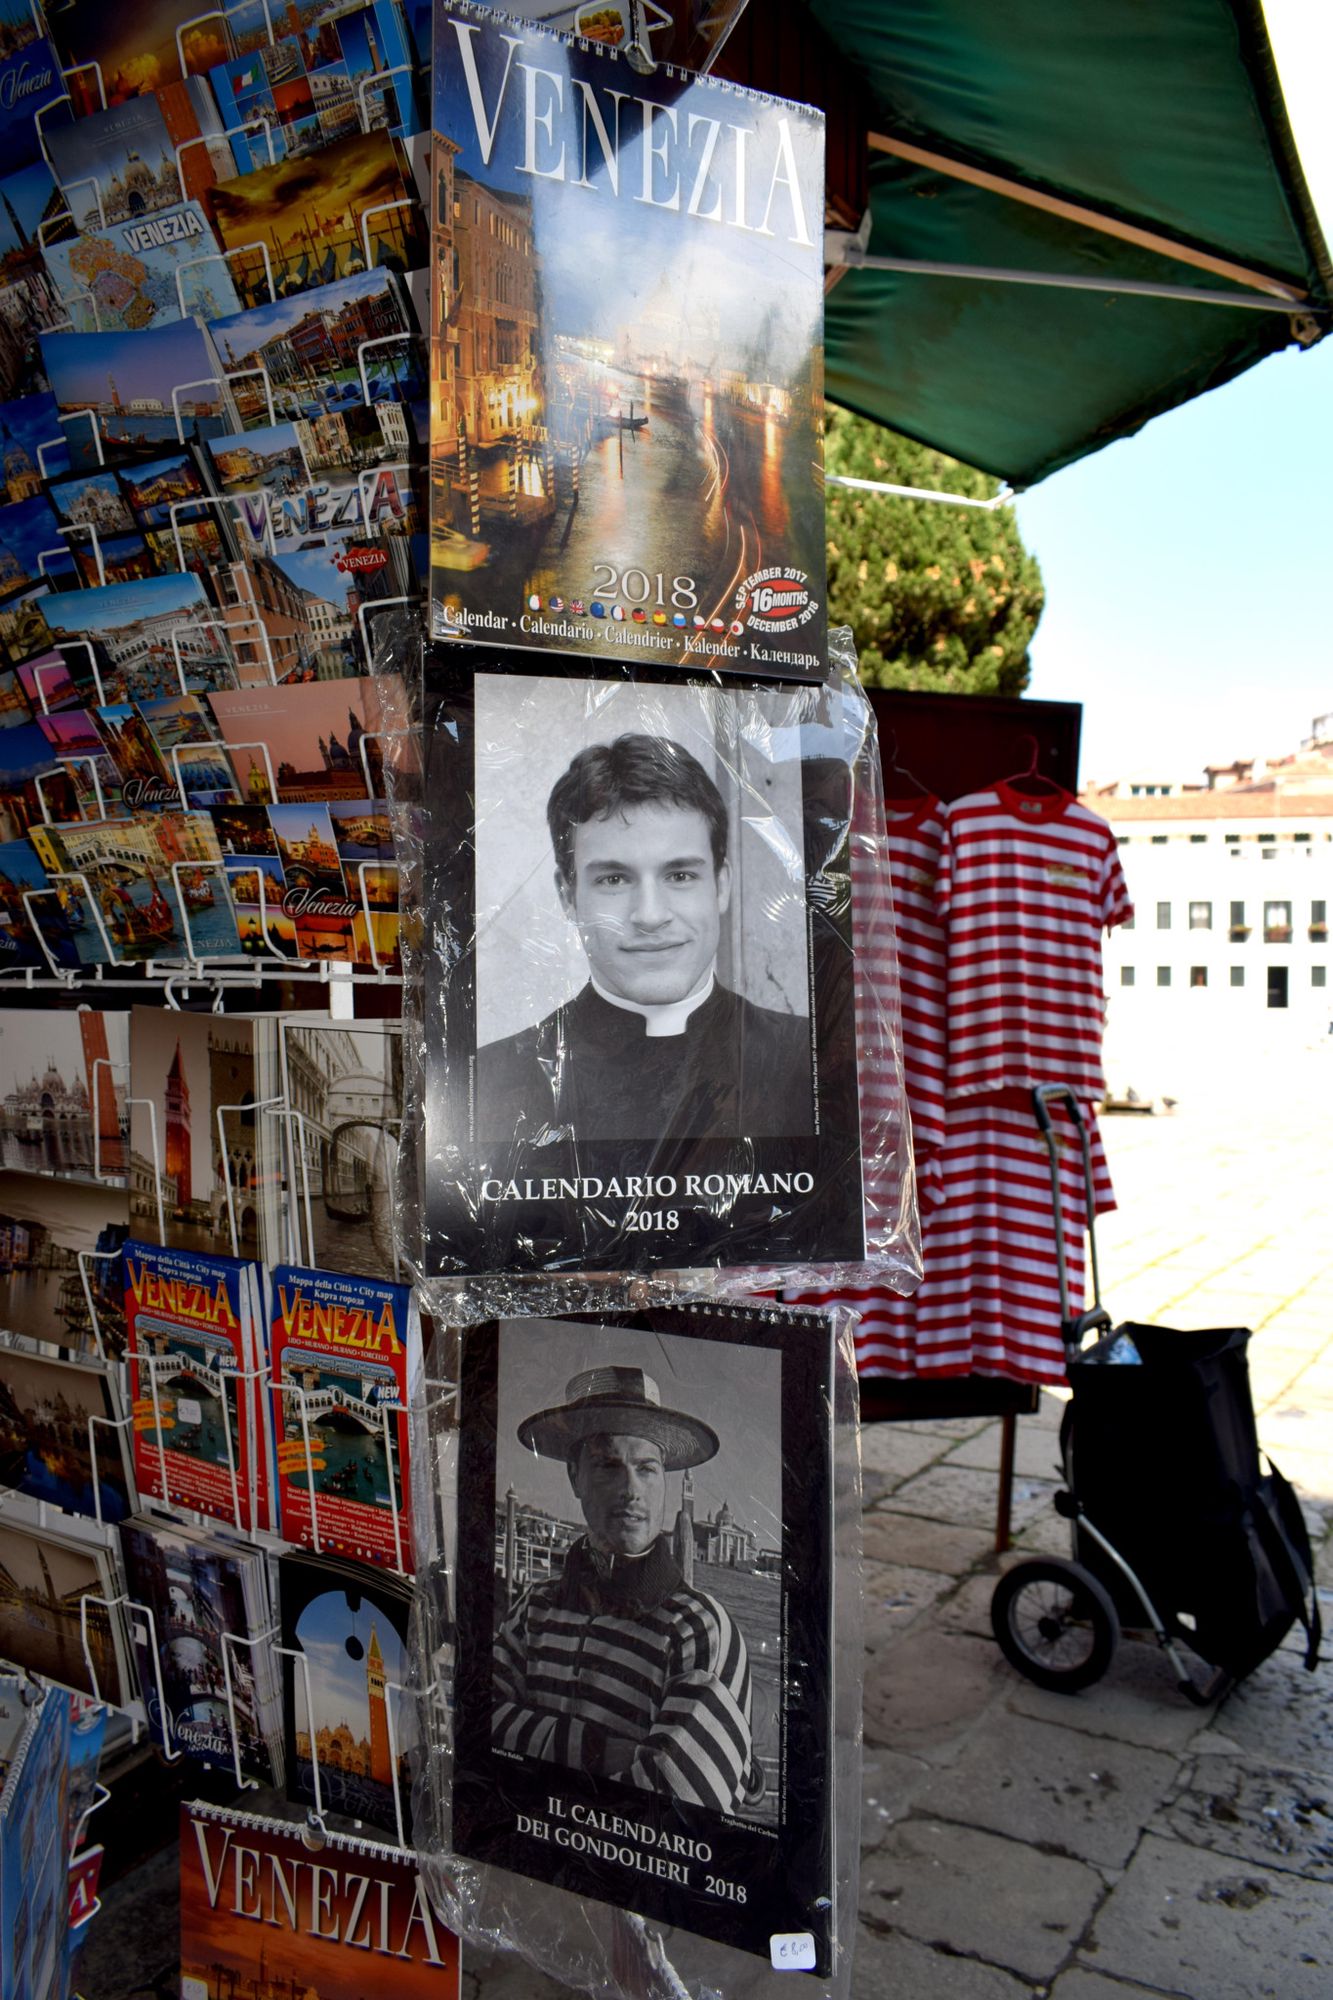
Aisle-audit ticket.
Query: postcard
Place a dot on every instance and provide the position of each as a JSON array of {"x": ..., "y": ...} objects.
[
  {"x": 141, "y": 269},
  {"x": 560, "y": 470},
  {"x": 30, "y": 204},
  {"x": 350, "y": 207},
  {"x": 80, "y": 748},
  {"x": 116, "y": 164},
  {"x": 30, "y": 82},
  {"x": 322, "y": 83},
  {"x": 64, "y": 1078},
  {"x": 61, "y": 1275},
  {"x": 157, "y": 636},
  {"x": 60, "y": 1434},
  {"x": 44, "y": 1626},
  {"x": 29, "y": 773},
  {"x": 92, "y": 499},
  {"x": 45, "y": 680},
  {"x": 141, "y": 392},
  {"x": 14, "y": 705},
  {"x": 32, "y": 548},
  {"x": 25, "y": 635},
  {"x": 146, "y": 783},
  {"x": 351, "y": 1626},
  {"x": 222, "y": 1714},
  {"x": 185, "y": 1071},
  {"x": 344, "y": 1167},
  {"x": 126, "y": 875},
  {"x": 180, "y": 535},
  {"x": 318, "y": 370},
  {"x": 32, "y": 445},
  {"x": 714, "y": 1784},
  {"x": 27, "y": 926},
  {"x": 344, "y": 1352},
  {"x": 566, "y": 1125},
  {"x": 318, "y": 741}
]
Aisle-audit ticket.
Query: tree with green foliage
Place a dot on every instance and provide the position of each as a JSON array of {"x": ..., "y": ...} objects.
[{"x": 940, "y": 598}]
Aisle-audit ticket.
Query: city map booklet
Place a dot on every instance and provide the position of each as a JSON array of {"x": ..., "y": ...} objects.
[
  {"x": 273, "y": 1919},
  {"x": 642, "y": 1696},
  {"x": 627, "y": 445},
  {"x": 343, "y": 1352},
  {"x": 637, "y": 990}
]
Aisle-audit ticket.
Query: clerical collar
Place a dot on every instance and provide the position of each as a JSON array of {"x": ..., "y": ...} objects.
[{"x": 667, "y": 1019}]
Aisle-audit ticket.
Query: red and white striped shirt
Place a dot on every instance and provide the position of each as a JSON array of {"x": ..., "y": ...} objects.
[
  {"x": 915, "y": 841},
  {"x": 1026, "y": 887}
]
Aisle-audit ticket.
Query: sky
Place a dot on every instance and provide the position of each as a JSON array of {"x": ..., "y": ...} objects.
[{"x": 1184, "y": 568}]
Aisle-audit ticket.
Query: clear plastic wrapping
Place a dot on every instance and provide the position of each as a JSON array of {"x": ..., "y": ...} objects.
[
  {"x": 650, "y": 1005},
  {"x": 722, "y": 1841}
]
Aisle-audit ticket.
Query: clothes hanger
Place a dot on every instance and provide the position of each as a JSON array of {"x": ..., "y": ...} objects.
[
  {"x": 1032, "y": 781},
  {"x": 893, "y": 766}
]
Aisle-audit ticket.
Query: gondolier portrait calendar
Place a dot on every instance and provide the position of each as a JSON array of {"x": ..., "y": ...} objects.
[
  {"x": 627, "y": 355},
  {"x": 636, "y": 996},
  {"x": 642, "y": 1694}
]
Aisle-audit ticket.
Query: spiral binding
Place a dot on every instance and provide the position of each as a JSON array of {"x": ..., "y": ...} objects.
[{"x": 346, "y": 1843}]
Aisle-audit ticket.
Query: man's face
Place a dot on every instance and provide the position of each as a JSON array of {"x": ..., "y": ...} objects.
[
  {"x": 620, "y": 1482},
  {"x": 647, "y": 900}
]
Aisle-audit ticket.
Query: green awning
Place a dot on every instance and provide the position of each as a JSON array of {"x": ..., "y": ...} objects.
[{"x": 1162, "y": 118}]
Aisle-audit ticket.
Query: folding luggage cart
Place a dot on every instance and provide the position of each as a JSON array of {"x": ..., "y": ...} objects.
[{"x": 1176, "y": 1530}]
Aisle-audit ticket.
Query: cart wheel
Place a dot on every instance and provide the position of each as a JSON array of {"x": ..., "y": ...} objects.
[{"x": 1055, "y": 1623}]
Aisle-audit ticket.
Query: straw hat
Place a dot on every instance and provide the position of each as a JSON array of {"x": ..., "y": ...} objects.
[{"x": 624, "y": 1401}]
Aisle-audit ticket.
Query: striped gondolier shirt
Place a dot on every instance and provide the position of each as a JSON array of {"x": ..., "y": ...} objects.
[{"x": 625, "y": 1670}]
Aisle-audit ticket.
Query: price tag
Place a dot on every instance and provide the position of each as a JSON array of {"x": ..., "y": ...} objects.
[
  {"x": 189, "y": 1411},
  {"x": 193, "y": 1989},
  {"x": 792, "y": 1951}
]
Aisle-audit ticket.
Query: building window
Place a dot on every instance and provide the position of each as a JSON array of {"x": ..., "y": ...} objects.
[
  {"x": 1198, "y": 975},
  {"x": 1159, "y": 840},
  {"x": 1163, "y": 916},
  {"x": 1277, "y": 985},
  {"x": 1238, "y": 975},
  {"x": 1201, "y": 916},
  {"x": 1127, "y": 975},
  {"x": 1197, "y": 839},
  {"x": 1265, "y": 838},
  {"x": 1318, "y": 921},
  {"x": 1319, "y": 975},
  {"x": 1231, "y": 839},
  {"x": 1128, "y": 924},
  {"x": 1268, "y": 854},
  {"x": 1163, "y": 975},
  {"x": 1300, "y": 836},
  {"x": 1277, "y": 924},
  {"x": 1237, "y": 929}
]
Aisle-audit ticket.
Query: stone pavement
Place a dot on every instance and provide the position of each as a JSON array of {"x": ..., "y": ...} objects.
[{"x": 1119, "y": 1843}]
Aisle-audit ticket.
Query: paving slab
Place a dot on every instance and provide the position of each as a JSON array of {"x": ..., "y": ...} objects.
[
  {"x": 1077, "y": 1984},
  {"x": 959, "y": 1494},
  {"x": 1136, "y": 1701},
  {"x": 1281, "y": 1819},
  {"x": 896, "y": 1965},
  {"x": 1063, "y": 1791},
  {"x": 929, "y": 1691},
  {"x": 896, "y": 1451},
  {"x": 890, "y": 1537},
  {"x": 890, "y": 1783},
  {"x": 927, "y": 1880},
  {"x": 894, "y": 1598},
  {"x": 1187, "y": 1921},
  {"x": 1280, "y": 1716},
  {"x": 1036, "y": 1451}
]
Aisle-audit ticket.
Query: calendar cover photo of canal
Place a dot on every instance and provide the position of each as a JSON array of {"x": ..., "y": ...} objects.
[{"x": 626, "y": 356}]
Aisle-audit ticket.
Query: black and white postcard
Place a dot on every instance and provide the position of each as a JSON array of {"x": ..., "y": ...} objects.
[
  {"x": 642, "y": 1696},
  {"x": 638, "y": 977}
]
